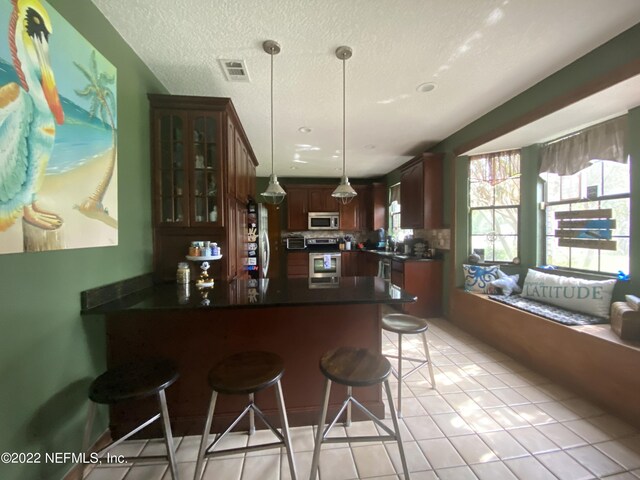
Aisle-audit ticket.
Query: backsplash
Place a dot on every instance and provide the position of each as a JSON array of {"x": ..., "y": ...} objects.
[
  {"x": 438, "y": 238},
  {"x": 357, "y": 237}
]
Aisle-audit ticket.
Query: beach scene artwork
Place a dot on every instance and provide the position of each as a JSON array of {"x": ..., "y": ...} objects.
[{"x": 58, "y": 134}]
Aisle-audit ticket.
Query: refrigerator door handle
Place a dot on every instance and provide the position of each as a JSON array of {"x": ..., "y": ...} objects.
[{"x": 267, "y": 253}]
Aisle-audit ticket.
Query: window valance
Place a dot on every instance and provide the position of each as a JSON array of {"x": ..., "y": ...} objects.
[{"x": 570, "y": 154}]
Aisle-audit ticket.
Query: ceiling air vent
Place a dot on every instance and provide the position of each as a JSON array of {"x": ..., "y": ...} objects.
[{"x": 235, "y": 70}]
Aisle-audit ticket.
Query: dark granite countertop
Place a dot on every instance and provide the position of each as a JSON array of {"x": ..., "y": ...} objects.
[{"x": 260, "y": 293}]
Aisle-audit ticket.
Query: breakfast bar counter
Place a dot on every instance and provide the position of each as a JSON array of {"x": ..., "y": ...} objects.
[{"x": 299, "y": 319}]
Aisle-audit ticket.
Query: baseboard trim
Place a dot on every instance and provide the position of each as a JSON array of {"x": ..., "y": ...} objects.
[{"x": 102, "y": 441}]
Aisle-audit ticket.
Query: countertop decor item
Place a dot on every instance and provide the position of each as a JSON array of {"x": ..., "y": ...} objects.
[
  {"x": 344, "y": 192},
  {"x": 274, "y": 193}
]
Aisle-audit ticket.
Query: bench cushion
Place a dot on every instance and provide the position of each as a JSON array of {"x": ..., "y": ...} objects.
[{"x": 557, "y": 314}]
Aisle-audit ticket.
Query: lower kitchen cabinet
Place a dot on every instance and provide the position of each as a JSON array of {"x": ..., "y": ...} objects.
[
  {"x": 349, "y": 266},
  {"x": 297, "y": 264},
  {"x": 368, "y": 264},
  {"x": 422, "y": 279}
]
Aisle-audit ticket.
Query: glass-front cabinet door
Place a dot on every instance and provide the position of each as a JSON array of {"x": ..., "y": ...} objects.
[
  {"x": 205, "y": 141},
  {"x": 171, "y": 188}
]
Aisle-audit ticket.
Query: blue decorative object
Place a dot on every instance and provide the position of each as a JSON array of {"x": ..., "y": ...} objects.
[
  {"x": 623, "y": 277},
  {"x": 477, "y": 278}
]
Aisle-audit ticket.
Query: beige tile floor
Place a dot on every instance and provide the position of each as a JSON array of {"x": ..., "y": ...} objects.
[{"x": 489, "y": 418}]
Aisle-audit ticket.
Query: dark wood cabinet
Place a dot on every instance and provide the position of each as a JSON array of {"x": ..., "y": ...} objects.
[
  {"x": 368, "y": 264},
  {"x": 377, "y": 211},
  {"x": 302, "y": 199},
  {"x": 349, "y": 265},
  {"x": 320, "y": 200},
  {"x": 297, "y": 264},
  {"x": 203, "y": 172},
  {"x": 422, "y": 279},
  {"x": 297, "y": 208},
  {"x": 421, "y": 192},
  {"x": 187, "y": 168}
]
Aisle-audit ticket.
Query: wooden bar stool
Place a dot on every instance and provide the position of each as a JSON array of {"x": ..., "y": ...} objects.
[
  {"x": 134, "y": 381},
  {"x": 245, "y": 374},
  {"x": 355, "y": 367},
  {"x": 403, "y": 324}
]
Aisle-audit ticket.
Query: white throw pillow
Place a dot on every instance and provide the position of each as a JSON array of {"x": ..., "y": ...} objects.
[
  {"x": 477, "y": 278},
  {"x": 587, "y": 296},
  {"x": 507, "y": 283}
]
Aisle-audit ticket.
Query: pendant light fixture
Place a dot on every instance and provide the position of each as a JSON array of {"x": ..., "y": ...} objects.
[
  {"x": 274, "y": 193},
  {"x": 344, "y": 192}
]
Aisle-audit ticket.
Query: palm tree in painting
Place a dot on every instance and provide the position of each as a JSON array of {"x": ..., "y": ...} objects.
[{"x": 102, "y": 107}]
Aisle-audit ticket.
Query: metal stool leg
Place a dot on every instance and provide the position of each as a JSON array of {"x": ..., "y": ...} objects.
[
  {"x": 285, "y": 431},
  {"x": 399, "y": 375},
  {"x": 396, "y": 427},
  {"x": 428, "y": 356},
  {"x": 252, "y": 420},
  {"x": 88, "y": 428},
  {"x": 205, "y": 435},
  {"x": 168, "y": 436},
  {"x": 323, "y": 417},
  {"x": 349, "y": 393}
]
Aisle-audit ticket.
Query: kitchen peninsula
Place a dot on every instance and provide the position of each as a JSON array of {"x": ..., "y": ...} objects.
[{"x": 297, "y": 318}]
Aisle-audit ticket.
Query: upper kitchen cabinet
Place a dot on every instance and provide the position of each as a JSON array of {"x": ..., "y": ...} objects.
[
  {"x": 203, "y": 174},
  {"x": 302, "y": 199},
  {"x": 200, "y": 153},
  {"x": 187, "y": 167},
  {"x": 421, "y": 192},
  {"x": 297, "y": 208},
  {"x": 353, "y": 215},
  {"x": 320, "y": 200},
  {"x": 377, "y": 212}
]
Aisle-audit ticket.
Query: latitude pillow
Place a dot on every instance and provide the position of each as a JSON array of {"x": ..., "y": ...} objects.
[
  {"x": 586, "y": 296},
  {"x": 477, "y": 278}
]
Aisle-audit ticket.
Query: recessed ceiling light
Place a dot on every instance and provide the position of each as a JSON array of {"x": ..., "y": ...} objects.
[
  {"x": 304, "y": 129},
  {"x": 426, "y": 87},
  {"x": 293, "y": 168},
  {"x": 369, "y": 147}
]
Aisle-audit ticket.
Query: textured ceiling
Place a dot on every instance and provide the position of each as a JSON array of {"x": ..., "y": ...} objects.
[{"x": 480, "y": 53}]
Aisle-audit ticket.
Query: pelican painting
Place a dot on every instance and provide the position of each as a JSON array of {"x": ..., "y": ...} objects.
[
  {"x": 58, "y": 123},
  {"x": 28, "y": 113}
]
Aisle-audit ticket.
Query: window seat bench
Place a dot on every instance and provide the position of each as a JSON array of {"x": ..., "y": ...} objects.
[{"x": 589, "y": 359}]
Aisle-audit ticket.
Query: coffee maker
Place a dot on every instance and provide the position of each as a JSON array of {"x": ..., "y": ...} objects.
[{"x": 380, "y": 244}]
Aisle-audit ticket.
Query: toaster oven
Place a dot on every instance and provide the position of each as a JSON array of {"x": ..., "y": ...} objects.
[{"x": 296, "y": 243}]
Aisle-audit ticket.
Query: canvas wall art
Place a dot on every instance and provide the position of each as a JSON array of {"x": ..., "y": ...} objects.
[{"x": 58, "y": 134}]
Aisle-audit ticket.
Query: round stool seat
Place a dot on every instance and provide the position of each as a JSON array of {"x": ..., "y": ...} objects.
[
  {"x": 355, "y": 367},
  {"x": 133, "y": 381},
  {"x": 246, "y": 372},
  {"x": 402, "y": 323}
]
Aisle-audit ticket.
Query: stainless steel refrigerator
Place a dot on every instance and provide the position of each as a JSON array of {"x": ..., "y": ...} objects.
[{"x": 258, "y": 251}]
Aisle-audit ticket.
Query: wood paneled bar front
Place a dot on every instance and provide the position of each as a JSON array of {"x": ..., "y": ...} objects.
[{"x": 295, "y": 318}]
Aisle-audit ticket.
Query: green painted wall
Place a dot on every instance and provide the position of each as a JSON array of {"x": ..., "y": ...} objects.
[
  {"x": 619, "y": 51},
  {"x": 48, "y": 352}
]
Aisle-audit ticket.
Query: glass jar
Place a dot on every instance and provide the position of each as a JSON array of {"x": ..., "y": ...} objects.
[{"x": 183, "y": 274}]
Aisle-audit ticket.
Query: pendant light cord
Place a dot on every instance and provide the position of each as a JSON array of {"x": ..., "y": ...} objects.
[
  {"x": 272, "y": 111},
  {"x": 344, "y": 115}
]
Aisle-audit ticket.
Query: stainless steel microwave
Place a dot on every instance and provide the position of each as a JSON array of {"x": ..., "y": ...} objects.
[{"x": 324, "y": 221}]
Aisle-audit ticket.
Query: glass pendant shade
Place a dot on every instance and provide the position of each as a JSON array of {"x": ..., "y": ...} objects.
[{"x": 274, "y": 194}]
